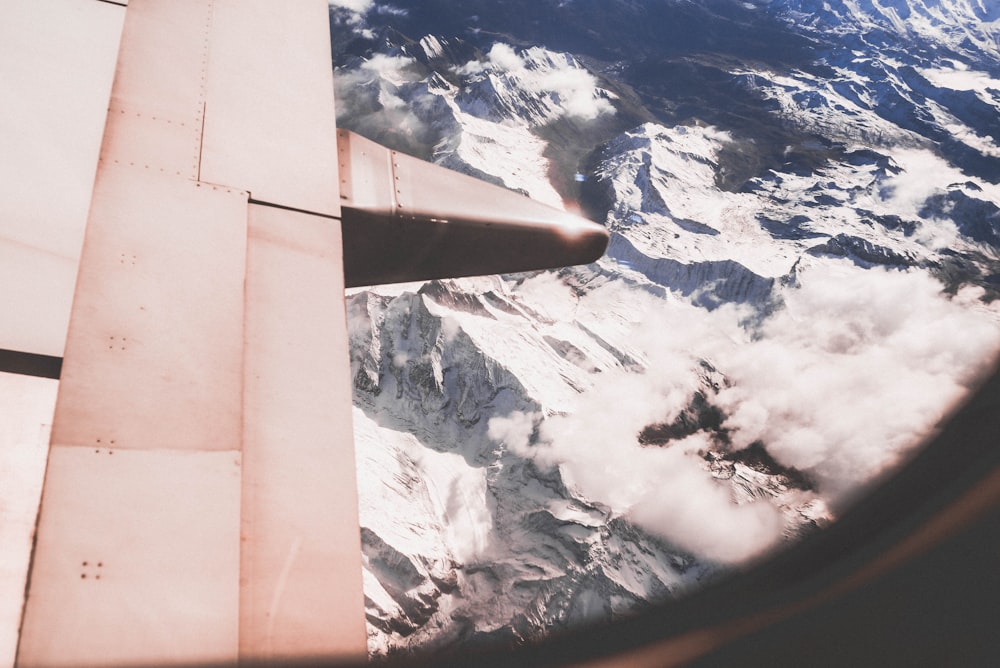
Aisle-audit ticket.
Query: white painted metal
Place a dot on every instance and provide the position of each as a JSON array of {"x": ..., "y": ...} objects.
[
  {"x": 157, "y": 104},
  {"x": 270, "y": 124},
  {"x": 406, "y": 220},
  {"x": 379, "y": 181},
  {"x": 202, "y": 452},
  {"x": 57, "y": 62},
  {"x": 433, "y": 191},
  {"x": 153, "y": 143},
  {"x": 137, "y": 560},
  {"x": 301, "y": 565},
  {"x": 154, "y": 357},
  {"x": 162, "y": 74},
  {"x": 366, "y": 178},
  {"x": 24, "y": 444}
]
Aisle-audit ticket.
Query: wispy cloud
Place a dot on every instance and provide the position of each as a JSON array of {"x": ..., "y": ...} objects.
[
  {"x": 855, "y": 371},
  {"x": 547, "y": 74},
  {"x": 354, "y": 13},
  {"x": 356, "y": 6},
  {"x": 376, "y": 97},
  {"x": 923, "y": 174}
]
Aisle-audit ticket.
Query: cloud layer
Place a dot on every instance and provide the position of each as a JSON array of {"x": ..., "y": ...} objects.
[
  {"x": 858, "y": 368},
  {"x": 842, "y": 383}
]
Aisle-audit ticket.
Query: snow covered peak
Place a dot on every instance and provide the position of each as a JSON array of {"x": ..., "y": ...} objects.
[
  {"x": 534, "y": 84},
  {"x": 480, "y": 117},
  {"x": 970, "y": 27}
]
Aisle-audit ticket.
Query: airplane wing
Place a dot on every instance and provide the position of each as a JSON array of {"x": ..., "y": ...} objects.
[{"x": 180, "y": 220}]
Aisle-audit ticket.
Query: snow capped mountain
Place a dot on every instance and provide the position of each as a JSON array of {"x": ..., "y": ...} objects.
[
  {"x": 555, "y": 83},
  {"x": 670, "y": 211},
  {"x": 450, "y": 381},
  {"x": 801, "y": 281},
  {"x": 477, "y": 117},
  {"x": 970, "y": 27}
]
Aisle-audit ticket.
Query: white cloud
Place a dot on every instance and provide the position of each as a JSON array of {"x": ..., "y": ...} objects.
[
  {"x": 356, "y": 6},
  {"x": 547, "y": 74},
  {"x": 667, "y": 491},
  {"x": 396, "y": 70},
  {"x": 514, "y": 430},
  {"x": 842, "y": 383},
  {"x": 961, "y": 78},
  {"x": 503, "y": 57},
  {"x": 389, "y": 10},
  {"x": 972, "y": 139},
  {"x": 354, "y": 12},
  {"x": 664, "y": 490},
  {"x": 857, "y": 369},
  {"x": 924, "y": 174},
  {"x": 576, "y": 88},
  {"x": 372, "y": 96}
]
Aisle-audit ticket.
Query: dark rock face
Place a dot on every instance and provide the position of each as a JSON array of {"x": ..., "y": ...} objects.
[
  {"x": 797, "y": 227},
  {"x": 711, "y": 283},
  {"x": 862, "y": 251},
  {"x": 976, "y": 218},
  {"x": 759, "y": 459},
  {"x": 399, "y": 577}
]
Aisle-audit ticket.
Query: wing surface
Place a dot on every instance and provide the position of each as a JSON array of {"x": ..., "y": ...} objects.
[
  {"x": 56, "y": 68},
  {"x": 200, "y": 497}
]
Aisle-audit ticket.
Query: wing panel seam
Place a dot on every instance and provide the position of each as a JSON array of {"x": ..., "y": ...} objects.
[{"x": 292, "y": 208}]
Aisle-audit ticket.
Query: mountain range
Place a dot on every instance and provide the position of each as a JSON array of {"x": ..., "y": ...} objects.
[{"x": 804, "y": 200}]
